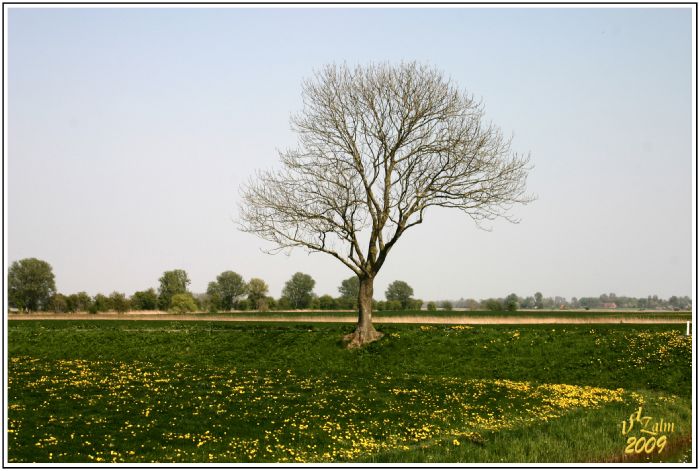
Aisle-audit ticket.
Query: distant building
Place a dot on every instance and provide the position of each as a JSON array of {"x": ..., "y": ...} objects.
[{"x": 609, "y": 306}]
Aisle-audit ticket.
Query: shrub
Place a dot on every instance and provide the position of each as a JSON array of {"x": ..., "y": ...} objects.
[
  {"x": 446, "y": 306},
  {"x": 393, "y": 305},
  {"x": 182, "y": 303},
  {"x": 432, "y": 306},
  {"x": 326, "y": 302},
  {"x": 493, "y": 305},
  {"x": 511, "y": 302},
  {"x": 315, "y": 303},
  {"x": 119, "y": 302},
  {"x": 283, "y": 304},
  {"x": 243, "y": 305}
]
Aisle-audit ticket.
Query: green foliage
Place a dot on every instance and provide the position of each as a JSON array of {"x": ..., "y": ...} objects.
[
  {"x": 284, "y": 304},
  {"x": 119, "y": 302},
  {"x": 232, "y": 379},
  {"x": 257, "y": 294},
  {"x": 101, "y": 303},
  {"x": 349, "y": 289},
  {"x": 30, "y": 284},
  {"x": 228, "y": 288},
  {"x": 446, "y": 306},
  {"x": 432, "y": 306},
  {"x": 539, "y": 304},
  {"x": 171, "y": 283},
  {"x": 269, "y": 303},
  {"x": 79, "y": 302},
  {"x": 213, "y": 297},
  {"x": 401, "y": 292},
  {"x": 326, "y": 302},
  {"x": 346, "y": 303},
  {"x": 493, "y": 305},
  {"x": 511, "y": 302},
  {"x": 393, "y": 305},
  {"x": 182, "y": 303},
  {"x": 299, "y": 291},
  {"x": 243, "y": 305},
  {"x": 315, "y": 303},
  {"x": 58, "y": 303},
  {"x": 144, "y": 300}
]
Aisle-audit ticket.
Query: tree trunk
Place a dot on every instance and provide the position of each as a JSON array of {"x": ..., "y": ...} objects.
[{"x": 364, "y": 332}]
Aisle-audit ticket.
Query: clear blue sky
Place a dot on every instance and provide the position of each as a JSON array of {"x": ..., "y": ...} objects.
[{"x": 130, "y": 131}]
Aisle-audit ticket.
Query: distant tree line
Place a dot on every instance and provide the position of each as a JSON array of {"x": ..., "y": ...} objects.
[
  {"x": 32, "y": 287},
  {"x": 513, "y": 302}
]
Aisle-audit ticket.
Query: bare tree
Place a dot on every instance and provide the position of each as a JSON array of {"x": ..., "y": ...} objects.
[{"x": 378, "y": 146}]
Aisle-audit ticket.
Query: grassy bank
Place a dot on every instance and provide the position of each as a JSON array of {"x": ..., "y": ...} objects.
[
  {"x": 192, "y": 391},
  {"x": 664, "y": 315}
]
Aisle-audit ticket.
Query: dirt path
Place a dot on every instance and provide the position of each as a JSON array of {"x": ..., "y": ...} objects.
[{"x": 352, "y": 319}]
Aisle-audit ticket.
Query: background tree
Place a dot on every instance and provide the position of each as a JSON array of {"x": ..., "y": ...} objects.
[
  {"x": 378, "y": 146},
  {"x": 528, "y": 302},
  {"x": 144, "y": 300},
  {"x": 230, "y": 287},
  {"x": 283, "y": 304},
  {"x": 539, "y": 303},
  {"x": 213, "y": 297},
  {"x": 511, "y": 302},
  {"x": 182, "y": 303},
  {"x": 119, "y": 302},
  {"x": 493, "y": 305},
  {"x": 30, "y": 284},
  {"x": 326, "y": 302},
  {"x": 393, "y": 306},
  {"x": 431, "y": 306},
  {"x": 257, "y": 293},
  {"x": 350, "y": 288},
  {"x": 171, "y": 283},
  {"x": 315, "y": 302},
  {"x": 58, "y": 303},
  {"x": 399, "y": 291},
  {"x": 299, "y": 290},
  {"x": 100, "y": 303},
  {"x": 79, "y": 302},
  {"x": 472, "y": 304},
  {"x": 446, "y": 306}
]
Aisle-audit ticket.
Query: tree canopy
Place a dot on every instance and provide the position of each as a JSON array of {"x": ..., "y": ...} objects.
[
  {"x": 299, "y": 290},
  {"x": 227, "y": 289},
  {"x": 171, "y": 283},
  {"x": 30, "y": 284},
  {"x": 257, "y": 293},
  {"x": 379, "y": 145},
  {"x": 401, "y": 292}
]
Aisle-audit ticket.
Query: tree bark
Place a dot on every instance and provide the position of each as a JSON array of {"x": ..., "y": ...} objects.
[{"x": 364, "y": 332}]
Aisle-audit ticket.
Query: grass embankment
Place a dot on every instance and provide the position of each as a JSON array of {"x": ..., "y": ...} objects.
[
  {"x": 422, "y": 314},
  {"x": 230, "y": 392},
  {"x": 681, "y": 315}
]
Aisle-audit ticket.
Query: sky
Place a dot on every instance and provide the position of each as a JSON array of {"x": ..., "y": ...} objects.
[{"x": 131, "y": 130}]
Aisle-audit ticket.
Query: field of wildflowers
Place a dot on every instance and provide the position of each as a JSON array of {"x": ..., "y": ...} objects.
[{"x": 110, "y": 391}]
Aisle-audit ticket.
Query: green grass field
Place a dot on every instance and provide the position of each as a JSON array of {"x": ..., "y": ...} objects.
[
  {"x": 680, "y": 315},
  {"x": 160, "y": 391}
]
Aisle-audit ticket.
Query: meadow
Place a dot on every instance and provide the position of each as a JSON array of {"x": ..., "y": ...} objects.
[
  {"x": 188, "y": 391},
  {"x": 668, "y": 315}
]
